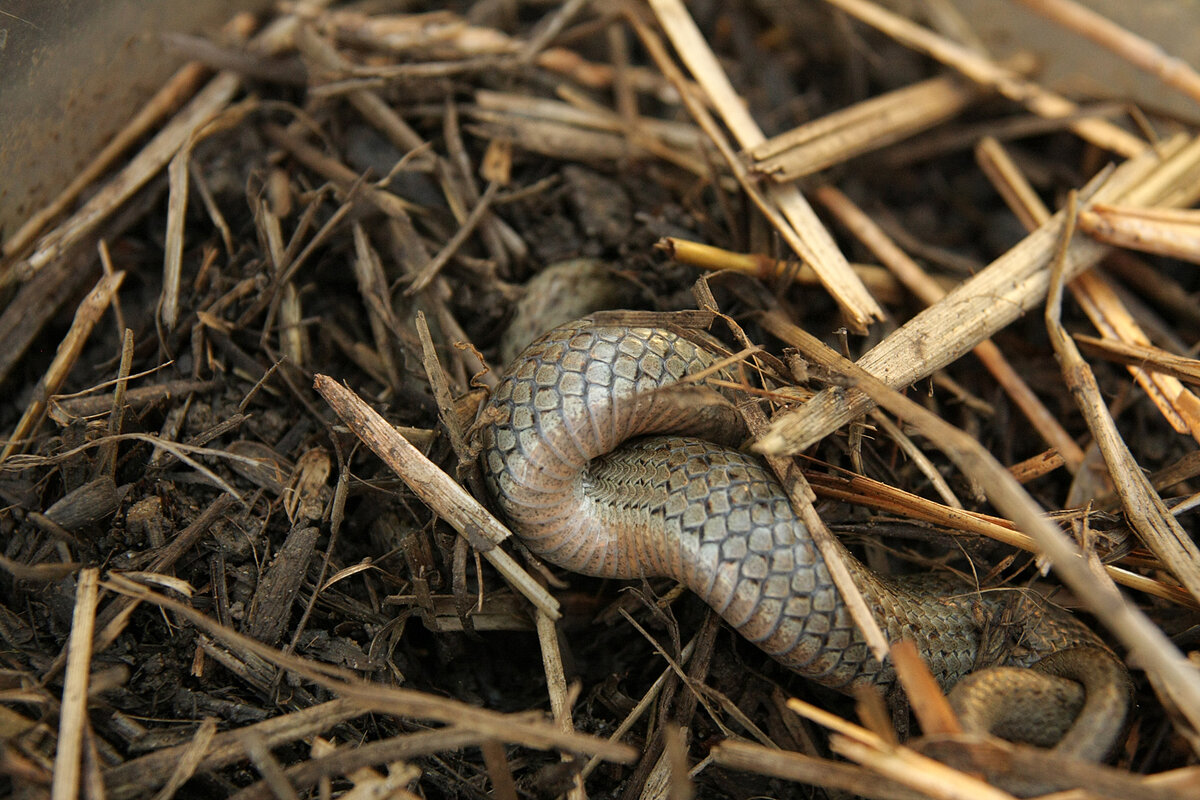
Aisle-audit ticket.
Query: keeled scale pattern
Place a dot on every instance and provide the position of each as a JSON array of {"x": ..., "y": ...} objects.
[{"x": 558, "y": 458}]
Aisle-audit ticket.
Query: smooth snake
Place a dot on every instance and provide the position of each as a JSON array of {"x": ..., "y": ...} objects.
[{"x": 606, "y": 465}]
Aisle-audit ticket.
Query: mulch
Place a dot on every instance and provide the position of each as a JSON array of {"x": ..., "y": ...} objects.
[{"x": 305, "y": 258}]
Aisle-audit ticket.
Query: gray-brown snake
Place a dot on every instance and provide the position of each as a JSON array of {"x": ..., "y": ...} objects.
[{"x": 605, "y": 467}]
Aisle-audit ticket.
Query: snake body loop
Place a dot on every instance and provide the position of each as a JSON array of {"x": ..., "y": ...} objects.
[{"x": 606, "y": 466}]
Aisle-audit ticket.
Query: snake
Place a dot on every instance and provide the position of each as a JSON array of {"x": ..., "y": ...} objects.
[{"x": 611, "y": 456}]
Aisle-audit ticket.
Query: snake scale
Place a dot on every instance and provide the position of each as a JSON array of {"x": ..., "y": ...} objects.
[{"x": 607, "y": 465}]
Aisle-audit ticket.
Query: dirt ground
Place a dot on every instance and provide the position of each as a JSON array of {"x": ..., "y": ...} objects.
[{"x": 373, "y": 188}]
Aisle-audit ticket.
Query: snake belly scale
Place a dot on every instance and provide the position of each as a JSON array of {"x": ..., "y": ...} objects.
[{"x": 606, "y": 465}]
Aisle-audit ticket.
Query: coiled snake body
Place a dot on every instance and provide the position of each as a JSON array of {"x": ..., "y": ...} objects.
[{"x": 604, "y": 466}]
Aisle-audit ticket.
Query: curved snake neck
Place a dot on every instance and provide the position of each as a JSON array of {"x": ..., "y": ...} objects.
[{"x": 558, "y": 456}]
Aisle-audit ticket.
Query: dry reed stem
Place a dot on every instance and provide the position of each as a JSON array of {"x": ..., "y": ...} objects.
[
  {"x": 72, "y": 716},
  {"x": 981, "y": 306},
  {"x": 1145, "y": 356},
  {"x": 878, "y": 280},
  {"x": 898, "y": 763},
  {"x": 556, "y": 688},
  {"x": 1093, "y": 292},
  {"x": 1142, "y": 53},
  {"x": 435, "y": 488},
  {"x": 87, "y": 315},
  {"x": 929, "y": 292},
  {"x": 800, "y": 768},
  {"x": 1144, "y": 509},
  {"x": 798, "y": 224},
  {"x": 929, "y": 705},
  {"x": 861, "y": 128},
  {"x": 1151, "y": 648},
  {"x": 879, "y": 495},
  {"x": 990, "y": 74},
  {"x": 1164, "y": 232}
]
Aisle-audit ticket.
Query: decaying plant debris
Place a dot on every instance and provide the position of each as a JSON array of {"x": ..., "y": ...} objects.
[{"x": 212, "y": 588}]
